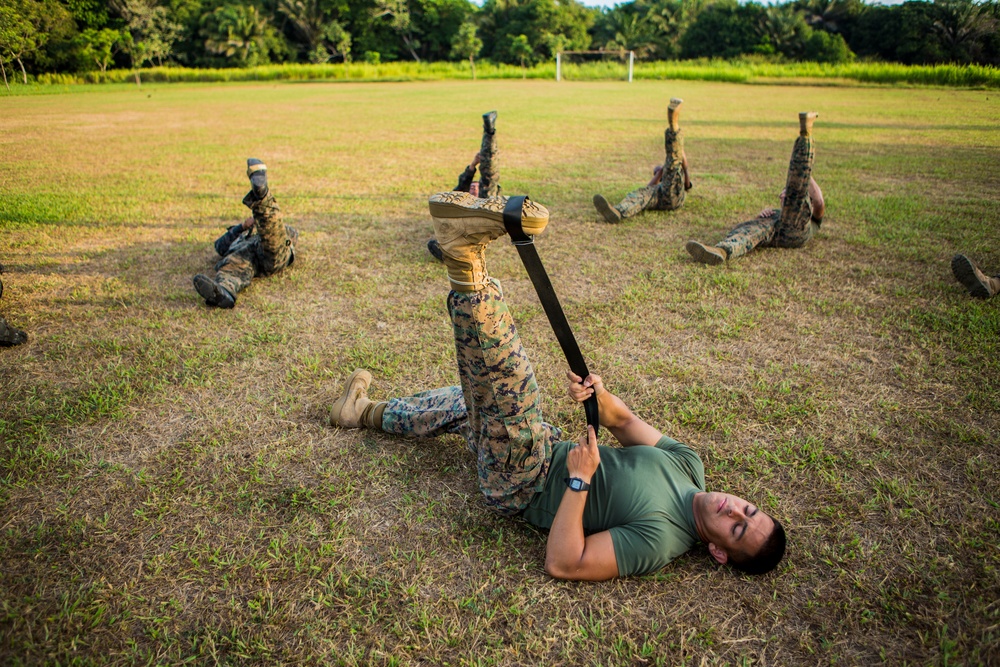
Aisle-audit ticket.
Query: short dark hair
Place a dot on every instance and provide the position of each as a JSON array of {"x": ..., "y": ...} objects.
[{"x": 767, "y": 557}]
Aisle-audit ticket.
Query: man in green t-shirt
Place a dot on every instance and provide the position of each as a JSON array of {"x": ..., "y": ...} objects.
[{"x": 609, "y": 511}]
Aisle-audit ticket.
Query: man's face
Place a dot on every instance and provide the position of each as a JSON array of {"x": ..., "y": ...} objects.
[{"x": 730, "y": 524}]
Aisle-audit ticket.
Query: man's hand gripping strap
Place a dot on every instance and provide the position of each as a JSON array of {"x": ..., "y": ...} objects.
[{"x": 553, "y": 310}]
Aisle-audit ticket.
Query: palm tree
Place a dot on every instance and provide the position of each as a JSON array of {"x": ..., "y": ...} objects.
[
  {"x": 785, "y": 28},
  {"x": 961, "y": 26},
  {"x": 307, "y": 18},
  {"x": 240, "y": 32},
  {"x": 670, "y": 18},
  {"x": 632, "y": 32},
  {"x": 822, "y": 14}
]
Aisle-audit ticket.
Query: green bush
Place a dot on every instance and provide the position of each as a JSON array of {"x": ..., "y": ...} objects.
[
  {"x": 825, "y": 47},
  {"x": 744, "y": 70}
]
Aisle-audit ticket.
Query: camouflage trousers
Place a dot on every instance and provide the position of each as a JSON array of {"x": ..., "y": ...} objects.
[
  {"x": 792, "y": 225},
  {"x": 267, "y": 251},
  {"x": 668, "y": 194},
  {"x": 489, "y": 166},
  {"x": 497, "y": 408}
]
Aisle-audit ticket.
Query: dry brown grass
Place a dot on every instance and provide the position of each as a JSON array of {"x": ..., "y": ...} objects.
[{"x": 170, "y": 490}]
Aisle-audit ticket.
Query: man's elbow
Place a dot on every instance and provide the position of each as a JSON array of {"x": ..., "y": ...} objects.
[{"x": 559, "y": 570}]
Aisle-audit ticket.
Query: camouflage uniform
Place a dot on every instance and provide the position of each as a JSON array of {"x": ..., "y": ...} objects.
[
  {"x": 489, "y": 169},
  {"x": 497, "y": 408},
  {"x": 668, "y": 194},
  {"x": 9, "y": 336},
  {"x": 793, "y": 224},
  {"x": 246, "y": 254}
]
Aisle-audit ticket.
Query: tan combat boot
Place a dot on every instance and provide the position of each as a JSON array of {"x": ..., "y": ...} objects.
[
  {"x": 610, "y": 214},
  {"x": 706, "y": 254},
  {"x": 464, "y": 225},
  {"x": 354, "y": 409},
  {"x": 978, "y": 283},
  {"x": 806, "y": 119},
  {"x": 674, "y": 113}
]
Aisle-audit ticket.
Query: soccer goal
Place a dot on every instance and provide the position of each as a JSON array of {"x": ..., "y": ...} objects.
[{"x": 611, "y": 60}]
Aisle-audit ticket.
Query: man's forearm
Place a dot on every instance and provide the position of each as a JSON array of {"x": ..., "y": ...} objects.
[
  {"x": 465, "y": 179},
  {"x": 628, "y": 429},
  {"x": 567, "y": 542}
]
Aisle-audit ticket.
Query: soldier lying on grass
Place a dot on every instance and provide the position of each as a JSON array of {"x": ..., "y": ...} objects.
[
  {"x": 790, "y": 226},
  {"x": 246, "y": 254},
  {"x": 670, "y": 182},
  {"x": 610, "y": 511}
]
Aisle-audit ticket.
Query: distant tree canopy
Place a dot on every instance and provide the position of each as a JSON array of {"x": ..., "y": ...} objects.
[{"x": 79, "y": 35}]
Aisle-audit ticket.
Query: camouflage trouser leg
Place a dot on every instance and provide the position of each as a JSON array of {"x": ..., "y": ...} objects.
[
  {"x": 637, "y": 201},
  {"x": 236, "y": 270},
  {"x": 489, "y": 166},
  {"x": 668, "y": 194},
  {"x": 513, "y": 445},
  {"x": 427, "y": 414},
  {"x": 793, "y": 228},
  {"x": 275, "y": 248},
  {"x": 747, "y": 236},
  {"x": 433, "y": 413}
]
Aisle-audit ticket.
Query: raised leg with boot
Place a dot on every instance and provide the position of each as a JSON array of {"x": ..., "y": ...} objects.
[
  {"x": 275, "y": 247},
  {"x": 489, "y": 158},
  {"x": 513, "y": 444},
  {"x": 793, "y": 227}
]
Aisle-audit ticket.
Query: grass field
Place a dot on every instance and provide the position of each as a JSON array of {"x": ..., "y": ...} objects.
[{"x": 170, "y": 489}]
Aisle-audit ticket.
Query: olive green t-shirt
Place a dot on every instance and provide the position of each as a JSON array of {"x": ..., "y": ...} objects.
[{"x": 642, "y": 495}]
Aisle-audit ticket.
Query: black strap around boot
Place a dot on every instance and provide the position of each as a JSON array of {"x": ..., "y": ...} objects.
[{"x": 546, "y": 294}]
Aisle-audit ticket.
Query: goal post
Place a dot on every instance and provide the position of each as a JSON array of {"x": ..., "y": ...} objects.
[{"x": 619, "y": 54}]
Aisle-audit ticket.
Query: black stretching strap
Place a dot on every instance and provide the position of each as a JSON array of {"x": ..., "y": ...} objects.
[{"x": 543, "y": 286}]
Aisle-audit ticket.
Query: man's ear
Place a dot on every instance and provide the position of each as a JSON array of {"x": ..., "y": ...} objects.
[{"x": 718, "y": 554}]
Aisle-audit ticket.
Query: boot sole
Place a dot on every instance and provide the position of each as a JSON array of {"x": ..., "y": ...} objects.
[
  {"x": 338, "y": 406},
  {"x": 210, "y": 291},
  {"x": 607, "y": 211},
  {"x": 10, "y": 337},
  {"x": 452, "y": 205},
  {"x": 434, "y": 248},
  {"x": 702, "y": 254},
  {"x": 965, "y": 273}
]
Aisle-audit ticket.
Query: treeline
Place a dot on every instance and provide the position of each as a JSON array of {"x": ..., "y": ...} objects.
[{"x": 40, "y": 36}]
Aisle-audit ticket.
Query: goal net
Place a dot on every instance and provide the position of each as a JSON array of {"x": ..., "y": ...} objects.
[{"x": 580, "y": 65}]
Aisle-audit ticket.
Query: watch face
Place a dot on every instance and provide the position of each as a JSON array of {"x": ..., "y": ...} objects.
[{"x": 576, "y": 484}]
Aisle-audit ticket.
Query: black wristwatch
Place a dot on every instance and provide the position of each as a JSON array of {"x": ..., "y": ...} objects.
[{"x": 576, "y": 484}]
